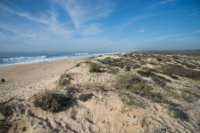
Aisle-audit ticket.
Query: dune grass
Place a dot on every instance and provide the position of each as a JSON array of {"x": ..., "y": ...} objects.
[
  {"x": 120, "y": 63},
  {"x": 134, "y": 84},
  {"x": 53, "y": 102},
  {"x": 178, "y": 113},
  {"x": 85, "y": 97},
  {"x": 95, "y": 68},
  {"x": 65, "y": 79},
  {"x": 180, "y": 71}
]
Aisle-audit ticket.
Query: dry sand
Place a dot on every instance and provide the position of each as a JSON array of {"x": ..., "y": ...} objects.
[
  {"x": 107, "y": 111},
  {"x": 24, "y": 80}
]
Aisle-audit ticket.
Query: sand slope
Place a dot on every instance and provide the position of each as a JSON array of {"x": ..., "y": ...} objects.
[{"x": 109, "y": 110}]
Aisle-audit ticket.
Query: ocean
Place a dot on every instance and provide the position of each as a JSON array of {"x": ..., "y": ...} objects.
[{"x": 11, "y": 58}]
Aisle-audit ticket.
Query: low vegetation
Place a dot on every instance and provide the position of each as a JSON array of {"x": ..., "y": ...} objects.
[
  {"x": 120, "y": 63},
  {"x": 189, "y": 95},
  {"x": 158, "y": 80},
  {"x": 95, "y": 68},
  {"x": 178, "y": 113},
  {"x": 85, "y": 97},
  {"x": 134, "y": 84},
  {"x": 53, "y": 102},
  {"x": 146, "y": 71},
  {"x": 65, "y": 79},
  {"x": 180, "y": 71}
]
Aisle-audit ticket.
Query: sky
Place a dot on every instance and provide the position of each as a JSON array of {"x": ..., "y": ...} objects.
[{"x": 99, "y": 25}]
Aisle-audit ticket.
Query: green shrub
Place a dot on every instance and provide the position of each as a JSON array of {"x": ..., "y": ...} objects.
[
  {"x": 113, "y": 70},
  {"x": 53, "y": 102},
  {"x": 146, "y": 72},
  {"x": 177, "y": 113},
  {"x": 158, "y": 80},
  {"x": 73, "y": 114},
  {"x": 5, "y": 109},
  {"x": 4, "y": 126},
  {"x": 85, "y": 97},
  {"x": 127, "y": 68},
  {"x": 133, "y": 84},
  {"x": 180, "y": 71},
  {"x": 78, "y": 64},
  {"x": 65, "y": 79},
  {"x": 95, "y": 68},
  {"x": 24, "y": 129}
]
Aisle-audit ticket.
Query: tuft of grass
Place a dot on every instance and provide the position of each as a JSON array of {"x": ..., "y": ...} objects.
[
  {"x": 189, "y": 95},
  {"x": 158, "y": 80},
  {"x": 24, "y": 129},
  {"x": 95, "y": 68},
  {"x": 5, "y": 109},
  {"x": 146, "y": 72},
  {"x": 4, "y": 126},
  {"x": 180, "y": 71},
  {"x": 78, "y": 64},
  {"x": 133, "y": 84},
  {"x": 101, "y": 89},
  {"x": 127, "y": 68},
  {"x": 113, "y": 70},
  {"x": 65, "y": 79},
  {"x": 85, "y": 97},
  {"x": 73, "y": 114},
  {"x": 135, "y": 66},
  {"x": 53, "y": 102},
  {"x": 179, "y": 114}
]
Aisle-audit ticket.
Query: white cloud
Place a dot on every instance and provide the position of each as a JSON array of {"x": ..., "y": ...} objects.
[
  {"x": 83, "y": 11},
  {"x": 141, "y": 30},
  {"x": 162, "y": 2}
]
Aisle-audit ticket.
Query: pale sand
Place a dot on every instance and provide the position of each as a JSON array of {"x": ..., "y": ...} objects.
[{"x": 24, "y": 80}]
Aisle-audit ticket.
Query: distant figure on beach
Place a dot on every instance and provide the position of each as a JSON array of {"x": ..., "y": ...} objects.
[{"x": 3, "y": 81}]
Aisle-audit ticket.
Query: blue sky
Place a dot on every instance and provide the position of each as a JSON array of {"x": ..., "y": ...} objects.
[{"x": 99, "y": 25}]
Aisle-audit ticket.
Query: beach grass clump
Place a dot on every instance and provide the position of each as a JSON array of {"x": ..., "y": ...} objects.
[
  {"x": 5, "y": 109},
  {"x": 146, "y": 72},
  {"x": 85, "y": 97},
  {"x": 78, "y": 64},
  {"x": 158, "y": 80},
  {"x": 101, "y": 89},
  {"x": 4, "y": 126},
  {"x": 133, "y": 84},
  {"x": 95, "y": 68},
  {"x": 189, "y": 95},
  {"x": 128, "y": 68},
  {"x": 135, "y": 66},
  {"x": 180, "y": 71},
  {"x": 65, "y": 79},
  {"x": 53, "y": 102},
  {"x": 125, "y": 63},
  {"x": 73, "y": 114},
  {"x": 178, "y": 113},
  {"x": 113, "y": 70},
  {"x": 113, "y": 62}
]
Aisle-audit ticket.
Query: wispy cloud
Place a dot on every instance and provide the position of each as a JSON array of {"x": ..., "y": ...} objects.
[
  {"x": 141, "y": 30},
  {"x": 132, "y": 20},
  {"x": 159, "y": 3},
  {"x": 85, "y": 11}
]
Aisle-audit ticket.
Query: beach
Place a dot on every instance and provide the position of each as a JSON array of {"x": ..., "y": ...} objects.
[
  {"x": 127, "y": 92},
  {"x": 24, "y": 80}
]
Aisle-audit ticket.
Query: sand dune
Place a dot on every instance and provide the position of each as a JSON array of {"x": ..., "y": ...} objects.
[{"x": 122, "y": 93}]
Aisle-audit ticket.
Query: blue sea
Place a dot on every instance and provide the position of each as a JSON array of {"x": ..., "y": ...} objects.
[{"x": 38, "y": 57}]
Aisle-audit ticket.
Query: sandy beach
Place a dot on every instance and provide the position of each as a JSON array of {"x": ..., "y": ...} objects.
[
  {"x": 123, "y": 93},
  {"x": 24, "y": 80}
]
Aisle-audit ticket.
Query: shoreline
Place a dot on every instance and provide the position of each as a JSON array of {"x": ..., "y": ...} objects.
[
  {"x": 22, "y": 78},
  {"x": 46, "y": 61}
]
